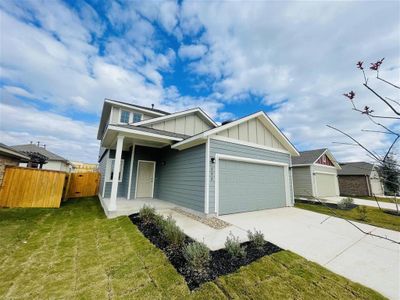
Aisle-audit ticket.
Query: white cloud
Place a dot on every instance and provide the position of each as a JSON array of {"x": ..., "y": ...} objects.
[{"x": 192, "y": 51}]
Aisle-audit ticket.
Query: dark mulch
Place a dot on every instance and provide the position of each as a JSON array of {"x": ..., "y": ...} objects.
[
  {"x": 330, "y": 205},
  {"x": 221, "y": 263},
  {"x": 392, "y": 212}
]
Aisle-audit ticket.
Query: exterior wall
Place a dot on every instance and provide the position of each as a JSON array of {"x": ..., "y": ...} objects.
[
  {"x": 56, "y": 165},
  {"x": 190, "y": 124},
  {"x": 6, "y": 161},
  {"x": 252, "y": 131},
  {"x": 181, "y": 179},
  {"x": 324, "y": 169},
  {"x": 123, "y": 185},
  {"x": 353, "y": 185},
  {"x": 302, "y": 181},
  {"x": 222, "y": 147},
  {"x": 102, "y": 170},
  {"x": 115, "y": 114},
  {"x": 324, "y": 160}
]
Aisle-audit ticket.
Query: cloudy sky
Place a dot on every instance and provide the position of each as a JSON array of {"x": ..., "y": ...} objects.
[{"x": 294, "y": 60}]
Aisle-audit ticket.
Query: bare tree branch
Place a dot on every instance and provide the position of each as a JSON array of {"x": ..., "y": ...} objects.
[{"x": 380, "y": 97}]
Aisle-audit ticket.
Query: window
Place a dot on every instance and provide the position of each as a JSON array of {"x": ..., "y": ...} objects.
[
  {"x": 124, "y": 117},
  {"x": 137, "y": 117},
  {"x": 110, "y": 170}
]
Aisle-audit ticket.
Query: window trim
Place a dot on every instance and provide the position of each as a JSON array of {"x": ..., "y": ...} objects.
[
  {"x": 108, "y": 170},
  {"x": 133, "y": 117},
  {"x": 120, "y": 115}
]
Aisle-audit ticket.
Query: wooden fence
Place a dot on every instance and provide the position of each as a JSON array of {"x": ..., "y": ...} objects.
[
  {"x": 25, "y": 187},
  {"x": 82, "y": 184}
]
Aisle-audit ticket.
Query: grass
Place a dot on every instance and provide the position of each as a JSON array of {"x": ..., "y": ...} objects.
[
  {"x": 75, "y": 252},
  {"x": 380, "y": 199},
  {"x": 375, "y": 216}
]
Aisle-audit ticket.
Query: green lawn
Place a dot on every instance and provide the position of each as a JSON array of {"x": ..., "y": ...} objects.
[
  {"x": 374, "y": 216},
  {"x": 75, "y": 252},
  {"x": 380, "y": 199}
]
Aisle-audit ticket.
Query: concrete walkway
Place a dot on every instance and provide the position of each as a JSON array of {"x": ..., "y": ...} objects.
[
  {"x": 332, "y": 243},
  {"x": 384, "y": 205}
]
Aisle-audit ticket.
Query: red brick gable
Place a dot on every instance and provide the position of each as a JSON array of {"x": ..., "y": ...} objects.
[{"x": 324, "y": 160}]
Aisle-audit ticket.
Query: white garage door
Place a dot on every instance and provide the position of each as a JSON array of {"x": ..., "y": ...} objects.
[
  {"x": 245, "y": 186},
  {"x": 325, "y": 185}
]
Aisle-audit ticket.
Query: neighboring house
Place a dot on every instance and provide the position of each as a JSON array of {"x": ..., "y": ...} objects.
[
  {"x": 78, "y": 166},
  {"x": 187, "y": 159},
  {"x": 9, "y": 157},
  {"x": 315, "y": 174},
  {"x": 359, "y": 179},
  {"x": 52, "y": 160}
]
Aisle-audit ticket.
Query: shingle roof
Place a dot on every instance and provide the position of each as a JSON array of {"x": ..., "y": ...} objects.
[
  {"x": 9, "y": 151},
  {"x": 307, "y": 157},
  {"x": 34, "y": 148},
  {"x": 140, "y": 106},
  {"x": 356, "y": 168},
  {"x": 152, "y": 130}
]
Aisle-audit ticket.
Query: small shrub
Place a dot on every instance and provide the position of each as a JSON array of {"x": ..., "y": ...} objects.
[
  {"x": 172, "y": 233},
  {"x": 257, "y": 238},
  {"x": 198, "y": 258},
  {"x": 345, "y": 203},
  {"x": 362, "y": 213},
  {"x": 147, "y": 214},
  {"x": 232, "y": 246}
]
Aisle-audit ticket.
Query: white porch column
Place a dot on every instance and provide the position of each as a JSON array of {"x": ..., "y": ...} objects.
[
  {"x": 130, "y": 172},
  {"x": 117, "y": 164}
]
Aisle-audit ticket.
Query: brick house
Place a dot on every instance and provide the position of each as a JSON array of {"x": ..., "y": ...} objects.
[{"x": 9, "y": 157}]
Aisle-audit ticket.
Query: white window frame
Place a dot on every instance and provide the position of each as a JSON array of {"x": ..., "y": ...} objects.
[
  {"x": 109, "y": 168},
  {"x": 133, "y": 116},
  {"x": 120, "y": 115}
]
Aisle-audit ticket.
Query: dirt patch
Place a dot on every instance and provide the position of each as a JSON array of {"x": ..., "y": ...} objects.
[
  {"x": 221, "y": 262},
  {"x": 212, "y": 222}
]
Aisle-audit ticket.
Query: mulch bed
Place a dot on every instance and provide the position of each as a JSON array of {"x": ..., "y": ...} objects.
[{"x": 221, "y": 263}]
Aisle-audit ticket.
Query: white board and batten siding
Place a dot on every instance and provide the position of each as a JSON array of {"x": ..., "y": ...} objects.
[
  {"x": 116, "y": 113},
  {"x": 190, "y": 125}
]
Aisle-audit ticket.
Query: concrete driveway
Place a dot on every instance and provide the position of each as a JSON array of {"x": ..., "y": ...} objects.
[{"x": 332, "y": 243}]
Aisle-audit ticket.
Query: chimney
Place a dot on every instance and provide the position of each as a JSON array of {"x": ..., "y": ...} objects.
[
  {"x": 152, "y": 106},
  {"x": 38, "y": 143},
  {"x": 44, "y": 146}
]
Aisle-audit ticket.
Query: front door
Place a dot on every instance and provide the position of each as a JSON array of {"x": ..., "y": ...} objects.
[{"x": 145, "y": 179}]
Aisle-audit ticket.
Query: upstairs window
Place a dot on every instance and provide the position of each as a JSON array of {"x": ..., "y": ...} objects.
[
  {"x": 124, "y": 118},
  {"x": 137, "y": 117}
]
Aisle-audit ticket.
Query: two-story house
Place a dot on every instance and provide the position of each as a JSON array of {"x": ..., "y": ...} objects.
[{"x": 187, "y": 159}]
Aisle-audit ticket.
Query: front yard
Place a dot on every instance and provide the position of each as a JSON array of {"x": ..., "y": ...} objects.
[
  {"x": 374, "y": 216},
  {"x": 75, "y": 252}
]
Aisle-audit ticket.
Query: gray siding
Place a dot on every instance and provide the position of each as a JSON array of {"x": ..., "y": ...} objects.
[
  {"x": 102, "y": 170},
  {"x": 182, "y": 179},
  {"x": 227, "y": 148},
  {"x": 302, "y": 181},
  {"x": 123, "y": 185}
]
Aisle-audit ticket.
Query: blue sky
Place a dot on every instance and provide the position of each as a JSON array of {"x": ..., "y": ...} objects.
[{"x": 294, "y": 60}]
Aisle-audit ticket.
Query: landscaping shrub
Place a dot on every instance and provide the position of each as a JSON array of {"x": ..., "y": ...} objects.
[
  {"x": 257, "y": 238},
  {"x": 232, "y": 246},
  {"x": 172, "y": 233},
  {"x": 362, "y": 213},
  {"x": 345, "y": 203},
  {"x": 198, "y": 258},
  {"x": 147, "y": 214}
]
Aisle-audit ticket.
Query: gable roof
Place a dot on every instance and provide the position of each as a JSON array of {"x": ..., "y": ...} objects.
[
  {"x": 197, "y": 110},
  {"x": 310, "y": 157},
  {"x": 199, "y": 138},
  {"x": 356, "y": 168},
  {"x": 8, "y": 151},
  {"x": 32, "y": 148},
  {"x": 152, "y": 130}
]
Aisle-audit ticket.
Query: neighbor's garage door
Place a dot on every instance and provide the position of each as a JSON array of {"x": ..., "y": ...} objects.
[
  {"x": 325, "y": 184},
  {"x": 247, "y": 186}
]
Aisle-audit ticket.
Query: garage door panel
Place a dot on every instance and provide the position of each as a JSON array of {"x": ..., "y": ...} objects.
[
  {"x": 326, "y": 186},
  {"x": 246, "y": 186}
]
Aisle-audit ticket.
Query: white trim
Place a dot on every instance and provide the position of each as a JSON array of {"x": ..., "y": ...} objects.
[
  {"x": 254, "y": 145},
  {"x": 325, "y": 166},
  {"x": 137, "y": 175},
  {"x": 178, "y": 114},
  {"x": 134, "y": 107},
  {"x": 248, "y": 160},
  {"x": 105, "y": 172},
  {"x": 328, "y": 173},
  {"x": 129, "y": 130},
  {"x": 128, "y": 196},
  {"x": 108, "y": 170},
  {"x": 120, "y": 114},
  {"x": 264, "y": 118},
  {"x": 313, "y": 183},
  {"x": 207, "y": 179},
  {"x": 331, "y": 158},
  {"x": 117, "y": 165}
]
